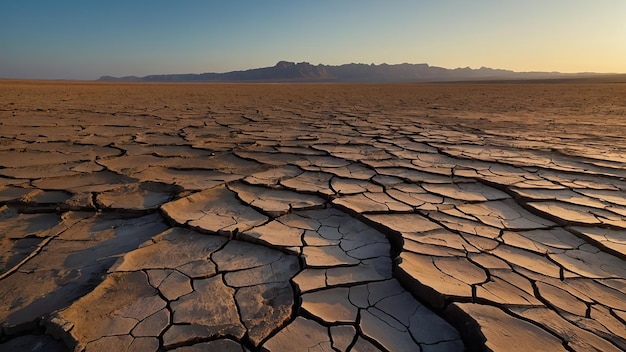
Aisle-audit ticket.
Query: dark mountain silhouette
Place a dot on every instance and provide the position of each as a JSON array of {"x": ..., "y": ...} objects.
[{"x": 285, "y": 71}]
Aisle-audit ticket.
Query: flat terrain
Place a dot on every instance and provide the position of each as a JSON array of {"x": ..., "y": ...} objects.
[{"x": 321, "y": 217}]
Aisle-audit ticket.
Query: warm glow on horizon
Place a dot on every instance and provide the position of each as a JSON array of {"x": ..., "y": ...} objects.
[{"x": 84, "y": 40}]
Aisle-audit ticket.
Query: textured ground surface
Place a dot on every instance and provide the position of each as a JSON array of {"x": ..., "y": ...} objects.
[{"x": 312, "y": 217}]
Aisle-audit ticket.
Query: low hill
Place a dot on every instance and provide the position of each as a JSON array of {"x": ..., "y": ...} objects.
[{"x": 285, "y": 71}]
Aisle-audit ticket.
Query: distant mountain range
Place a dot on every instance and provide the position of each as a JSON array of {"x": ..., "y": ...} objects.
[{"x": 285, "y": 71}]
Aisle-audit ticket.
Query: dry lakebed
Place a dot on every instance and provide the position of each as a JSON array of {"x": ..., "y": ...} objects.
[{"x": 312, "y": 217}]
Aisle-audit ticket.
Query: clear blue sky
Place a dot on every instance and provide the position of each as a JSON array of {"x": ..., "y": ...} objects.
[{"x": 88, "y": 38}]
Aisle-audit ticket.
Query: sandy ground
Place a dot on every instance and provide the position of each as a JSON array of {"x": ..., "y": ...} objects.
[{"x": 235, "y": 217}]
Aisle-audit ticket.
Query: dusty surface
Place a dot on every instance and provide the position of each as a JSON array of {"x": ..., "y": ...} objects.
[{"x": 150, "y": 217}]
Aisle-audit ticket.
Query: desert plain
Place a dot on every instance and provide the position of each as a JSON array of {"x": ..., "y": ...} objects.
[{"x": 312, "y": 217}]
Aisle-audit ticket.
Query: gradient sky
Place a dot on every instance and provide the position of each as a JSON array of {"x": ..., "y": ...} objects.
[{"x": 85, "y": 39}]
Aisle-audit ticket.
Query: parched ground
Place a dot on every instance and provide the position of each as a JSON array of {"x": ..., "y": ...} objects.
[{"x": 277, "y": 217}]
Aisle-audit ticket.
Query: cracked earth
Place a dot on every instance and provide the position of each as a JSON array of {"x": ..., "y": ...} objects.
[{"x": 445, "y": 217}]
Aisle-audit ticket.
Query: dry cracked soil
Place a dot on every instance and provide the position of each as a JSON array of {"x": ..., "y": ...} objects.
[{"x": 312, "y": 217}]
